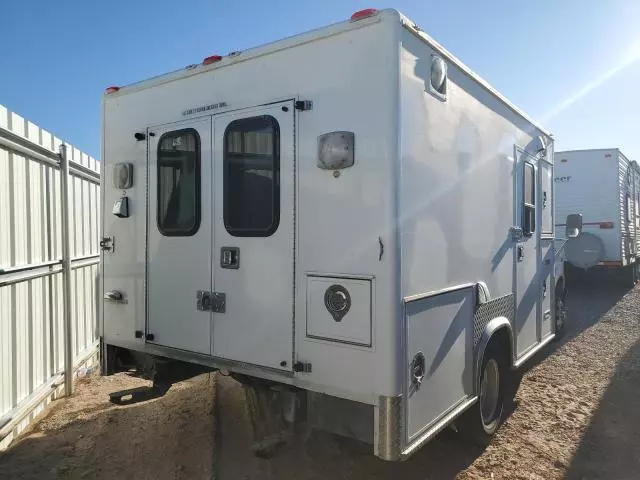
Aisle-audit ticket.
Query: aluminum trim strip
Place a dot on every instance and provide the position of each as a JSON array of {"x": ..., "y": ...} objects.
[
  {"x": 530, "y": 353},
  {"x": 420, "y": 296},
  {"x": 438, "y": 427}
]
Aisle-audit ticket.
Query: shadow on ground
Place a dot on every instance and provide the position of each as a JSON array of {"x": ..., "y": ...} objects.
[
  {"x": 589, "y": 299},
  {"x": 325, "y": 456},
  {"x": 93, "y": 439},
  {"x": 610, "y": 447}
]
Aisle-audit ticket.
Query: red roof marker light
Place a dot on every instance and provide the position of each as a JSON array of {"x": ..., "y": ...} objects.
[
  {"x": 111, "y": 90},
  {"x": 211, "y": 59},
  {"x": 360, "y": 14}
]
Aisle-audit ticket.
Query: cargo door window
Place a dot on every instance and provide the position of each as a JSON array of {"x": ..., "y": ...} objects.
[
  {"x": 529, "y": 199},
  {"x": 179, "y": 183},
  {"x": 252, "y": 177}
]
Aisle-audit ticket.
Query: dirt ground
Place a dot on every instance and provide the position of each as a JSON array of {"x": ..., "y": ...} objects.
[{"x": 575, "y": 417}]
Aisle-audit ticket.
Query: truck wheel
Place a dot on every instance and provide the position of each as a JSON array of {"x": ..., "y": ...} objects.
[
  {"x": 481, "y": 421},
  {"x": 561, "y": 315}
]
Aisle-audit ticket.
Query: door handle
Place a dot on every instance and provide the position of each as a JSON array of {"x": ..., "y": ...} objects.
[
  {"x": 115, "y": 296},
  {"x": 230, "y": 257},
  {"x": 520, "y": 253}
]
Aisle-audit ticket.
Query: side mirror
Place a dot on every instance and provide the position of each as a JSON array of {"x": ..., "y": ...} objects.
[{"x": 573, "y": 225}]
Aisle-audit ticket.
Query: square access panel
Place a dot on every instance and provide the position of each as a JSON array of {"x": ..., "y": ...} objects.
[{"x": 355, "y": 326}]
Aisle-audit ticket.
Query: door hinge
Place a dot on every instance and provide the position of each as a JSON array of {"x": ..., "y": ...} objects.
[
  {"x": 304, "y": 367},
  {"x": 108, "y": 244},
  {"x": 304, "y": 105},
  {"x": 211, "y": 301},
  {"x": 516, "y": 233}
]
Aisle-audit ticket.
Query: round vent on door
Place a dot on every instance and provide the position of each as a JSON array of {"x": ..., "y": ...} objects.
[{"x": 338, "y": 301}]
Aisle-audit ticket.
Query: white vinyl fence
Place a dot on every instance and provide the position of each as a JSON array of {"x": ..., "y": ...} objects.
[{"x": 32, "y": 315}]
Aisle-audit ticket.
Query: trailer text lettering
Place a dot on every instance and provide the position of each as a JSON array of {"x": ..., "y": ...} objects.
[
  {"x": 205, "y": 108},
  {"x": 562, "y": 179}
]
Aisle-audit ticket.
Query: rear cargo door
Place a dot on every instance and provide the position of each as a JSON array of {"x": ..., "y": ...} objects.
[
  {"x": 180, "y": 237},
  {"x": 253, "y": 258}
]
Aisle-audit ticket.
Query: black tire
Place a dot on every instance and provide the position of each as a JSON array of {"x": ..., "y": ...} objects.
[
  {"x": 560, "y": 312},
  {"x": 478, "y": 426},
  {"x": 628, "y": 275}
]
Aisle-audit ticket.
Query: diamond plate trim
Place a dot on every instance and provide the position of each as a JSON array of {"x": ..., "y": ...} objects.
[{"x": 498, "y": 307}]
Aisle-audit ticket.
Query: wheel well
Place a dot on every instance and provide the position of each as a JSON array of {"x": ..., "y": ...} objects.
[{"x": 502, "y": 340}]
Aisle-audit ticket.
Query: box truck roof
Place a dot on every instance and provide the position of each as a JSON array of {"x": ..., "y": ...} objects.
[{"x": 359, "y": 19}]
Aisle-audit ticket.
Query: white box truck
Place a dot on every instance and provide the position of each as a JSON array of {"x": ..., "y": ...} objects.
[
  {"x": 604, "y": 186},
  {"x": 349, "y": 217}
]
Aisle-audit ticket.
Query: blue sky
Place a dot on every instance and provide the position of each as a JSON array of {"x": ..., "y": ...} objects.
[{"x": 573, "y": 65}]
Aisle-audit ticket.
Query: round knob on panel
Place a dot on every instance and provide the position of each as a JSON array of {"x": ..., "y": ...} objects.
[{"x": 337, "y": 301}]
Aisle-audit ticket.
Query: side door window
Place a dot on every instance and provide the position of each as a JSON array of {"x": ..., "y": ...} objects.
[
  {"x": 178, "y": 212},
  {"x": 545, "y": 197},
  {"x": 252, "y": 177},
  {"x": 529, "y": 199}
]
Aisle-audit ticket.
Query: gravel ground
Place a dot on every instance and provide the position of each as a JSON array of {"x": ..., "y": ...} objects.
[{"x": 575, "y": 417}]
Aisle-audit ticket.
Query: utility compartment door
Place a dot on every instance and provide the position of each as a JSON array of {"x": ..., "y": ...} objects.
[
  {"x": 253, "y": 259},
  {"x": 180, "y": 237},
  {"x": 439, "y": 347},
  {"x": 528, "y": 282}
]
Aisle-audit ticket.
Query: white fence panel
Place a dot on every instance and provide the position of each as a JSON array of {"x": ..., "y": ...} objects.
[{"x": 31, "y": 273}]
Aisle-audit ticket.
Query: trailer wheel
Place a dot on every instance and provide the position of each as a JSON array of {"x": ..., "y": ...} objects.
[
  {"x": 481, "y": 421},
  {"x": 629, "y": 275}
]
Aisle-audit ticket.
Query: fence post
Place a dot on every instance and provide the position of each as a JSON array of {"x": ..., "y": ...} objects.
[{"x": 66, "y": 271}]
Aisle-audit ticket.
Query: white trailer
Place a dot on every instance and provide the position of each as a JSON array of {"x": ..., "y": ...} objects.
[
  {"x": 350, "y": 217},
  {"x": 603, "y": 185}
]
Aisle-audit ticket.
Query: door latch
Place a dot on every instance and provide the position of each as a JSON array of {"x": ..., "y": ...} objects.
[
  {"x": 417, "y": 369},
  {"x": 108, "y": 244},
  {"x": 211, "y": 301},
  {"x": 520, "y": 253},
  {"x": 302, "y": 367},
  {"x": 230, "y": 257}
]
